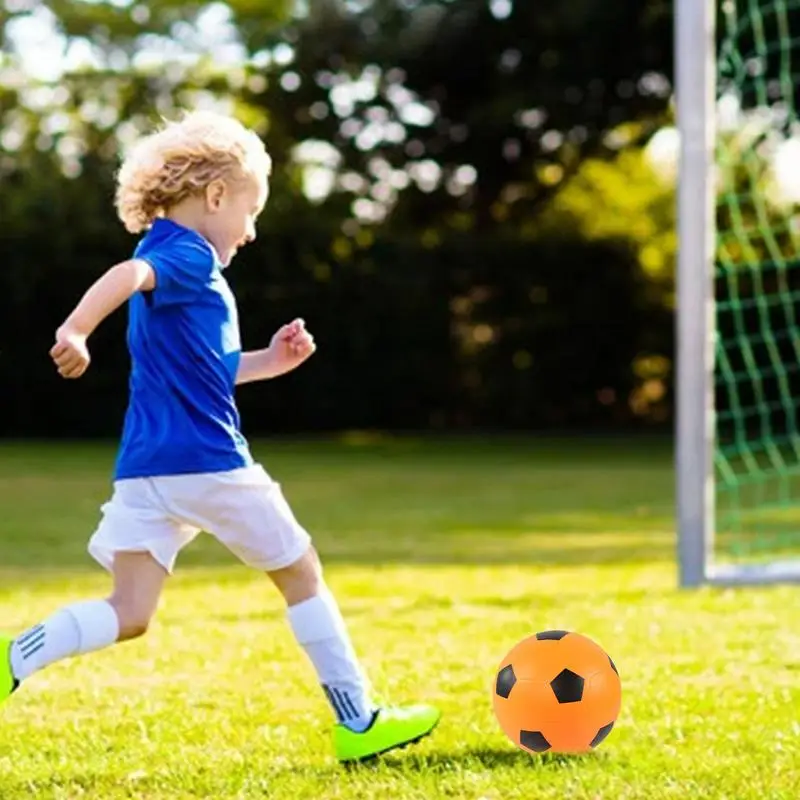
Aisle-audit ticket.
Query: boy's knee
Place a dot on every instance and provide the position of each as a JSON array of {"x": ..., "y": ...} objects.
[
  {"x": 138, "y": 580},
  {"x": 300, "y": 580},
  {"x": 133, "y": 628},
  {"x": 133, "y": 621}
]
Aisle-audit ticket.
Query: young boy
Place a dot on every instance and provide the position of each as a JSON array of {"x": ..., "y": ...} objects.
[{"x": 196, "y": 188}]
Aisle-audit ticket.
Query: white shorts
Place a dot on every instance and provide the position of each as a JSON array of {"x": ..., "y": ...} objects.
[{"x": 244, "y": 509}]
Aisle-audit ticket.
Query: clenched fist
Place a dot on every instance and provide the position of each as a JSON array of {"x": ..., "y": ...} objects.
[
  {"x": 70, "y": 353},
  {"x": 291, "y": 345}
]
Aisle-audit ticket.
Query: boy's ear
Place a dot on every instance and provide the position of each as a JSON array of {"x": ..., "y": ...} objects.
[{"x": 215, "y": 191}]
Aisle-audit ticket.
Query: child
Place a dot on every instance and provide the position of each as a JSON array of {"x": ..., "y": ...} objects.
[{"x": 197, "y": 187}]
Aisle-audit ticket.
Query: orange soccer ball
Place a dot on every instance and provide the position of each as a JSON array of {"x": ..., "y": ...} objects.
[{"x": 557, "y": 691}]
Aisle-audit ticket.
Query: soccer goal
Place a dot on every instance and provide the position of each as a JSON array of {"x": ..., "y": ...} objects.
[{"x": 738, "y": 295}]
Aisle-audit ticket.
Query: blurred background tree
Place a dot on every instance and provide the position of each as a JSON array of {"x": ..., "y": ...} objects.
[{"x": 466, "y": 208}]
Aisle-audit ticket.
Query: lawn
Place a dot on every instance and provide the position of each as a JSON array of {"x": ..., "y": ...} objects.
[{"x": 443, "y": 553}]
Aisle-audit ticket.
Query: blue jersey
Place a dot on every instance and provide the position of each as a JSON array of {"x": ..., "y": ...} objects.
[{"x": 185, "y": 349}]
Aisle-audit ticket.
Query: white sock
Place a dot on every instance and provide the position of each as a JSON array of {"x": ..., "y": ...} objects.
[
  {"x": 79, "y": 628},
  {"x": 319, "y": 628}
]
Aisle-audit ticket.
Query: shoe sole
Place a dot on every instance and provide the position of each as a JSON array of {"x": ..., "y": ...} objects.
[{"x": 400, "y": 746}]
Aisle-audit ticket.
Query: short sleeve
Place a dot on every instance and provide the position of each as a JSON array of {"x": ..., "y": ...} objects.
[{"x": 182, "y": 265}]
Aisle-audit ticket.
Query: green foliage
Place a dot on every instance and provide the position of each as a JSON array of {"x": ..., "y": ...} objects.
[
  {"x": 447, "y": 142},
  {"x": 636, "y": 204}
]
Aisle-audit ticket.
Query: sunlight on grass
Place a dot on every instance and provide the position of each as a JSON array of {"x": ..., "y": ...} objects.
[{"x": 442, "y": 559}]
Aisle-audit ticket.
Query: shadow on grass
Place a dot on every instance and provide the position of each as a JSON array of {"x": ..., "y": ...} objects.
[
  {"x": 488, "y": 758},
  {"x": 483, "y": 758}
]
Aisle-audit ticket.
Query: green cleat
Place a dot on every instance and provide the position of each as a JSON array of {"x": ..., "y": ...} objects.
[
  {"x": 390, "y": 728},
  {"x": 7, "y": 680}
]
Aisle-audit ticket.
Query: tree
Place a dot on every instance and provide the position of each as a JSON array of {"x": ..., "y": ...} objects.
[{"x": 422, "y": 150}]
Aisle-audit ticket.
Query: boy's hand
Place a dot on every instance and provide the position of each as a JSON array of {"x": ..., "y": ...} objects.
[
  {"x": 291, "y": 345},
  {"x": 70, "y": 353}
]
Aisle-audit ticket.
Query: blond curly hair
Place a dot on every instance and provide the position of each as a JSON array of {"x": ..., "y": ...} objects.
[{"x": 181, "y": 159}]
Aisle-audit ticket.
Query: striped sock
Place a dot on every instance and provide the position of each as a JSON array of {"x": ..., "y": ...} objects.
[
  {"x": 348, "y": 708},
  {"x": 79, "y": 628},
  {"x": 319, "y": 628}
]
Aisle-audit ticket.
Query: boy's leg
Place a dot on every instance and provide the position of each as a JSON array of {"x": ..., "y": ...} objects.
[
  {"x": 138, "y": 583},
  {"x": 321, "y": 631},
  {"x": 89, "y": 625},
  {"x": 246, "y": 511},
  {"x": 363, "y": 730}
]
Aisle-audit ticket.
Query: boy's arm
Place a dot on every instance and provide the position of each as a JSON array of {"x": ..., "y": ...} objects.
[
  {"x": 106, "y": 295},
  {"x": 260, "y": 365},
  {"x": 289, "y": 348}
]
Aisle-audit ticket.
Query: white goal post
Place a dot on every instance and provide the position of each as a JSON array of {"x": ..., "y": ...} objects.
[{"x": 695, "y": 90}]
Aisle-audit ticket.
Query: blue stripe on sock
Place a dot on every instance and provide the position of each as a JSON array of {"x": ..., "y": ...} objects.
[
  {"x": 333, "y": 701},
  {"x": 32, "y": 638},
  {"x": 350, "y": 703},
  {"x": 32, "y": 644},
  {"x": 29, "y": 633},
  {"x": 345, "y": 711},
  {"x": 28, "y": 653}
]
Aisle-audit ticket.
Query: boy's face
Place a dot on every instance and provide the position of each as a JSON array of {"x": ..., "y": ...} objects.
[{"x": 233, "y": 208}]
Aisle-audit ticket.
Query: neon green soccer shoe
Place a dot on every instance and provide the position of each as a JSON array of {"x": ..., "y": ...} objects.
[
  {"x": 391, "y": 728},
  {"x": 7, "y": 680}
]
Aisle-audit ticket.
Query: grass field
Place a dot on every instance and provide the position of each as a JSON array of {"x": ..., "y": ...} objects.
[{"x": 443, "y": 555}]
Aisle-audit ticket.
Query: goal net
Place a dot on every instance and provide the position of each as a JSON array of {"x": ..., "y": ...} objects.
[{"x": 752, "y": 530}]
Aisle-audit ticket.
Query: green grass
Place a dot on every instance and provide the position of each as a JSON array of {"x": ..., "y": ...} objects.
[{"x": 443, "y": 555}]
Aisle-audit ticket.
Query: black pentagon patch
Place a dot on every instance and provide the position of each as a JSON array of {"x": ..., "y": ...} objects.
[
  {"x": 567, "y": 687},
  {"x": 555, "y": 635},
  {"x": 533, "y": 740},
  {"x": 613, "y": 666},
  {"x": 505, "y": 681},
  {"x": 601, "y": 734}
]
